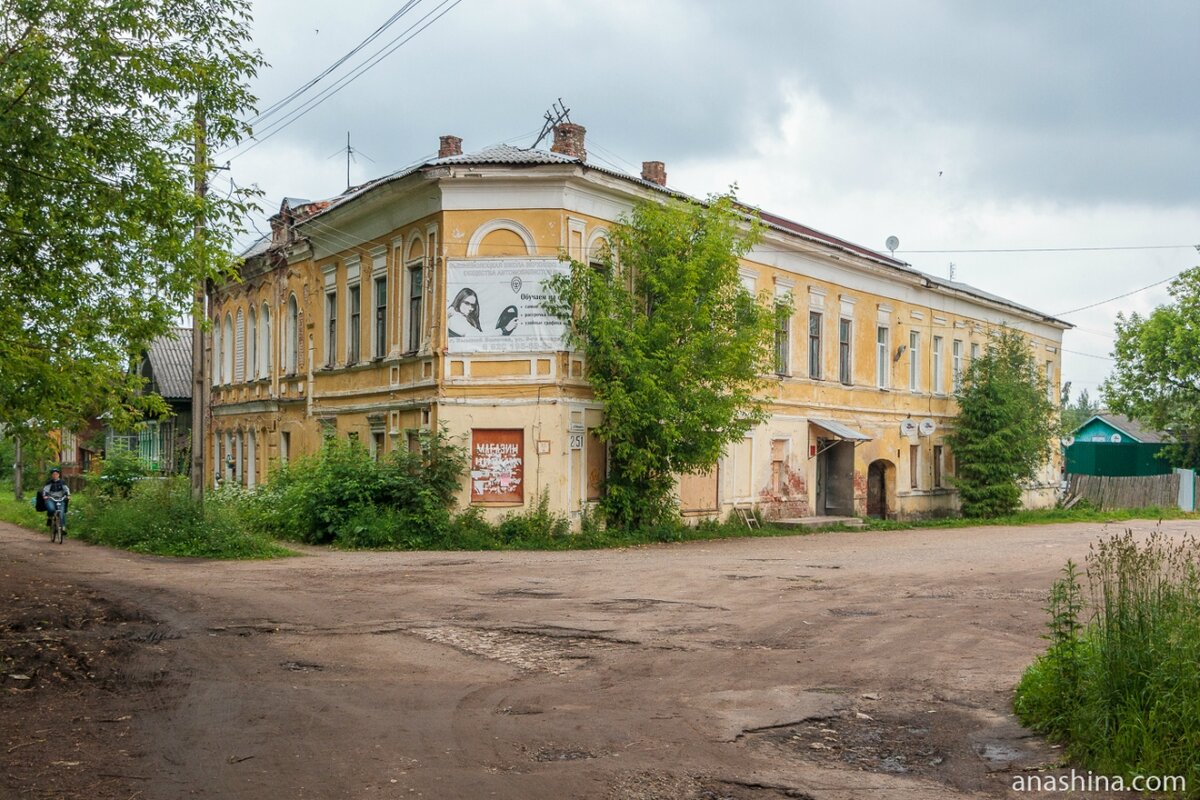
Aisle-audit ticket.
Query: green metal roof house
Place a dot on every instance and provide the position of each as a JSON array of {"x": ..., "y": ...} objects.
[{"x": 1115, "y": 445}]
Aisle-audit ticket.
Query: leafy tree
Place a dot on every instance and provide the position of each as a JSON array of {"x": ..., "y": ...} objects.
[
  {"x": 99, "y": 109},
  {"x": 1156, "y": 377},
  {"x": 675, "y": 346},
  {"x": 1074, "y": 414},
  {"x": 1005, "y": 429}
]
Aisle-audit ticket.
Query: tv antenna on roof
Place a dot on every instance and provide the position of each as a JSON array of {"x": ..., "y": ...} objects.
[
  {"x": 558, "y": 114},
  {"x": 349, "y": 150},
  {"x": 952, "y": 270}
]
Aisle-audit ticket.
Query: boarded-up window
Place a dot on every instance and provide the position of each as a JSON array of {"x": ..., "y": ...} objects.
[
  {"x": 497, "y": 465},
  {"x": 938, "y": 466},
  {"x": 914, "y": 466},
  {"x": 779, "y": 448},
  {"x": 597, "y": 465},
  {"x": 741, "y": 453},
  {"x": 698, "y": 491}
]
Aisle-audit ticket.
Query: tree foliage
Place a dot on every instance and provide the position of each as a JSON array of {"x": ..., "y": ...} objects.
[
  {"x": 675, "y": 346},
  {"x": 1156, "y": 375},
  {"x": 1005, "y": 429},
  {"x": 1080, "y": 410},
  {"x": 98, "y": 106}
]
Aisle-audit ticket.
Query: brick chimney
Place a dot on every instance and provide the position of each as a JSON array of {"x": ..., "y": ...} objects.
[
  {"x": 449, "y": 146},
  {"x": 655, "y": 172},
  {"x": 568, "y": 140}
]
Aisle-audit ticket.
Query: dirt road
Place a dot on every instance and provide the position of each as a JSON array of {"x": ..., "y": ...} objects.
[{"x": 831, "y": 666}]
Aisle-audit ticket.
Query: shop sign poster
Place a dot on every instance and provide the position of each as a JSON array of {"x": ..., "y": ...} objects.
[{"x": 497, "y": 466}]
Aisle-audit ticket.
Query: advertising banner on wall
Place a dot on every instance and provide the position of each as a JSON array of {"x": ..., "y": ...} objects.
[
  {"x": 497, "y": 465},
  {"x": 495, "y": 306}
]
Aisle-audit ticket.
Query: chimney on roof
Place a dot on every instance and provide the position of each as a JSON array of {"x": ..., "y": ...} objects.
[
  {"x": 449, "y": 146},
  {"x": 655, "y": 172},
  {"x": 568, "y": 140}
]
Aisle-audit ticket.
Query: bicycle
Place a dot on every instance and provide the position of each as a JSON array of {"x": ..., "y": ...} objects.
[{"x": 57, "y": 531}]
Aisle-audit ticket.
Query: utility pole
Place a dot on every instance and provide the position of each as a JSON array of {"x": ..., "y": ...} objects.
[
  {"x": 18, "y": 470},
  {"x": 199, "y": 373}
]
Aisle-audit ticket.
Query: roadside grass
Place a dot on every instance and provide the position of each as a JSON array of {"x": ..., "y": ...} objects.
[
  {"x": 157, "y": 518},
  {"x": 1119, "y": 683},
  {"x": 20, "y": 512},
  {"x": 1043, "y": 516}
]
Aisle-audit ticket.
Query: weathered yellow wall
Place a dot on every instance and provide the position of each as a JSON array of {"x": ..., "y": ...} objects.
[{"x": 416, "y": 387}]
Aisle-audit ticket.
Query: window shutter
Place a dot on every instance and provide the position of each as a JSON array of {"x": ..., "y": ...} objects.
[{"x": 239, "y": 351}]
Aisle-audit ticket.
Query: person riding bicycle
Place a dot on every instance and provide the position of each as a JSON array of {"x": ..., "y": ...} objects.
[{"x": 57, "y": 495}]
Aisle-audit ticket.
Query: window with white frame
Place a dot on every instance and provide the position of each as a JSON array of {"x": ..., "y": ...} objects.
[
  {"x": 415, "y": 317},
  {"x": 291, "y": 353},
  {"x": 380, "y": 327},
  {"x": 330, "y": 327},
  {"x": 882, "y": 357},
  {"x": 814, "y": 345},
  {"x": 845, "y": 371},
  {"x": 354, "y": 319},
  {"x": 957, "y": 363},
  {"x": 783, "y": 338},
  {"x": 264, "y": 349},
  {"x": 914, "y": 361},
  {"x": 938, "y": 379}
]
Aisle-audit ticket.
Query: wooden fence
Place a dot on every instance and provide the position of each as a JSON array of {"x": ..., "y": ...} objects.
[{"x": 1107, "y": 492}]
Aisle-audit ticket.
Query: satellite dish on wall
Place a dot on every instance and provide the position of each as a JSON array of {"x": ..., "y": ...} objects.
[
  {"x": 892, "y": 243},
  {"x": 1067, "y": 441},
  {"x": 927, "y": 427},
  {"x": 1115, "y": 438}
]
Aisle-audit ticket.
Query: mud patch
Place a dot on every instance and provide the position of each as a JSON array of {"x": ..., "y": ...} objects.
[
  {"x": 667, "y": 786},
  {"x": 853, "y": 612},
  {"x": 70, "y": 693},
  {"x": 553, "y": 753},
  {"x": 535, "y": 650}
]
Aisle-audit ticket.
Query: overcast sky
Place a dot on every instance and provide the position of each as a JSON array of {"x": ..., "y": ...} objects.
[{"x": 952, "y": 125}]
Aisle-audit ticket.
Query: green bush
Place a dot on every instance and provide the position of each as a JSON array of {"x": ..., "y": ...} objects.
[
  {"x": 1123, "y": 689},
  {"x": 343, "y": 496},
  {"x": 160, "y": 517},
  {"x": 119, "y": 471}
]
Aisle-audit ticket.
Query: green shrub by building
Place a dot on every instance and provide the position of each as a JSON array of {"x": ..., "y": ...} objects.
[{"x": 1122, "y": 688}]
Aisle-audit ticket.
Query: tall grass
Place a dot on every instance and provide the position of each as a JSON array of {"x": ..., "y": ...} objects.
[
  {"x": 1122, "y": 687},
  {"x": 159, "y": 517}
]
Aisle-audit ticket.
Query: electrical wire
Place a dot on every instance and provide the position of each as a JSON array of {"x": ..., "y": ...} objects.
[
  {"x": 389, "y": 22},
  {"x": 1056, "y": 249},
  {"x": 1120, "y": 296},
  {"x": 405, "y": 36}
]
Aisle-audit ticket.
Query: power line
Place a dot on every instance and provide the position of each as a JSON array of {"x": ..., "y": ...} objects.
[
  {"x": 276, "y": 106},
  {"x": 1086, "y": 355},
  {"x": 1118, "y": 297},
  {"x": 405, "y": 36},
  {"x": 1057, "y": 249}
]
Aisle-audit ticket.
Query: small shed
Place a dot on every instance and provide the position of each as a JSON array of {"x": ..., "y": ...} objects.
[{"x": 1115, "y": 445}]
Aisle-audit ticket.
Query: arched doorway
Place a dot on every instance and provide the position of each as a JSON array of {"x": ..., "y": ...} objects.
[{"x": 880, "y": 480}]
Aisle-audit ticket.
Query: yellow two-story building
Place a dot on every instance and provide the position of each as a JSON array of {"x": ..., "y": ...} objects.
[{"x": 415, "y": 302}]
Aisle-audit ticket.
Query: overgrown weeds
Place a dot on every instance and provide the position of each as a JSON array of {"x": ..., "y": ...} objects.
[
  {"x": 160, "y": 517},
  {"x": 1120, "y": 683}
]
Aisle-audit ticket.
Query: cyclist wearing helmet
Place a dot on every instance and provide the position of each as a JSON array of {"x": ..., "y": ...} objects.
[{"x": 57, "y": 495}]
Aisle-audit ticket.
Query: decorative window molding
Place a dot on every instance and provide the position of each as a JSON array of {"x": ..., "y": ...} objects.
[{"x": 500, "y": 225}]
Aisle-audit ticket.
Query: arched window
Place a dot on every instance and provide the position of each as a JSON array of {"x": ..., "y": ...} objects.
[
  {"x": 252, "y": 342},
  {"x": 239, "y": 351},
  {"x": 264, "y": 348},
  {"x": 216, "y": 352},
  {"x": 292, "y": 340},
  {"x": 227, "y": 351}
]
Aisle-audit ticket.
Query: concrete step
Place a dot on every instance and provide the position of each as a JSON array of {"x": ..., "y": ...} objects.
[{"x": 817, "y": 522}]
